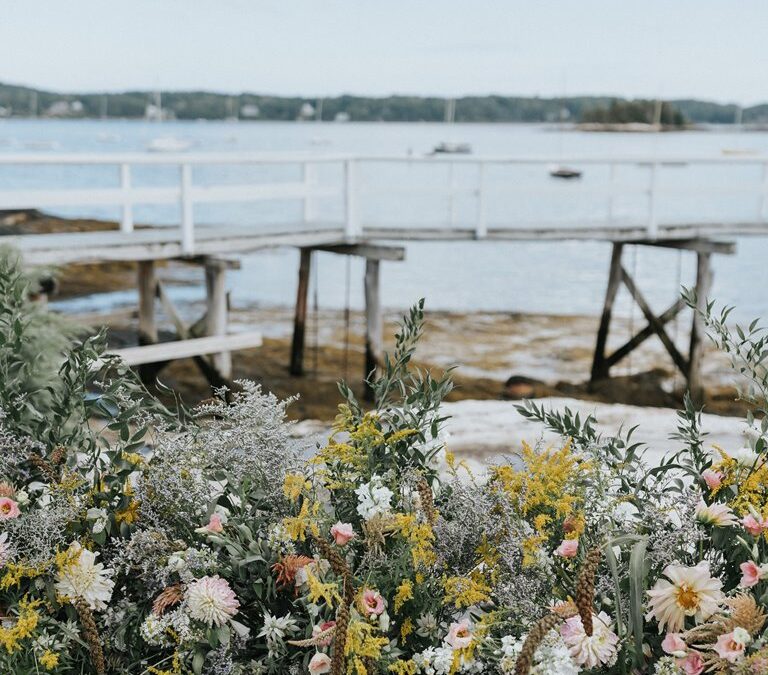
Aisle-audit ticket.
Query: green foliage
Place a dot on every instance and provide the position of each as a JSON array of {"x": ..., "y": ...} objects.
[{"x": 639, "y": 111}]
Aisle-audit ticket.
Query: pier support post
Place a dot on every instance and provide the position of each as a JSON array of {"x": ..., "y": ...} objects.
[
  {"x": 374, "y": 324},
  {"x": 600, "y": 366},
  {"x": 216, "y": 316},
  {"x": 300, "y": 318},
  {"x": 147, "y": 285},
  {"x": 703, "y": 285}
]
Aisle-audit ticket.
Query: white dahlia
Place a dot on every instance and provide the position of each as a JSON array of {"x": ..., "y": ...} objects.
[
  {"x": 590, "y": 651},
  {"x": 687, "y": 591},
  {"x": 81, "y": 576},
  {"x": 211, "y": 601}
]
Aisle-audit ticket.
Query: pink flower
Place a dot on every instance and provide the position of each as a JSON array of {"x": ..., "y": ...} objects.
[
  {"x": 321, "y": 628},
  {"x": 712, "y": 478},
  {"x": 215, "y": 524},
  {"x": 751, "y": 574},
  {"x": 674, "y": 644},
  {"x": 460, "y": 635},
  {"x": 753, "y": 525},
  {"x": 320, "y": 663},
  {"x": 568, "y": 548},
  {"x": 692, "y": 664},
  {"x": 731, "y": 646},
  {"x": 373, "y": 603},
  {"x": 342, "y": 533},
  {"x": 8, "y": 508}
]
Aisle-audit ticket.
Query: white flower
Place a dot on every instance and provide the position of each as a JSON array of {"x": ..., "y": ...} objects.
[
  {"x": 99, "y": 518},
  {"x": 594, "y": 650},
  {"x": 22, "y": 497},
  {"x": 717, "y": 515},
  {"x": 211, "y": 601},
  {"x": 373, "y": 498},
  {"x": 426, "y": 625},
  {"x": 746, "y": 457},
  {"x": 692, "y": 591},
  {"x": 434, "y": 661},
  {"x": 275, "y": 629},
  {"x": 86, "y": 578}
]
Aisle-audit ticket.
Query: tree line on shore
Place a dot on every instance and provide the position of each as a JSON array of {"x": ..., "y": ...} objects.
[{"x": 19, "y": 101}]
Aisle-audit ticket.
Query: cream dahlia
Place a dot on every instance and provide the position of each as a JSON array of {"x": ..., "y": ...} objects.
[
  {"x": 590, "y": 651},
  {"x": 717, "y": 515},
  {"x": 81, "y": 576},
  {"x": 687, "y": 591},
  {"x": 211, "y": 600}
]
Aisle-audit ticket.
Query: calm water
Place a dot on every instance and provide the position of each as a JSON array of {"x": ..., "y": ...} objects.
[{"x": 558, "y": 278}]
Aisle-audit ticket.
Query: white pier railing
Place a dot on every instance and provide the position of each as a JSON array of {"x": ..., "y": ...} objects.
[{"x": 445, "y": 194}]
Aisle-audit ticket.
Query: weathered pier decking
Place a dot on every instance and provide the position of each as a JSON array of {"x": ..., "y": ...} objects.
[{"x": 371, "y": 207}]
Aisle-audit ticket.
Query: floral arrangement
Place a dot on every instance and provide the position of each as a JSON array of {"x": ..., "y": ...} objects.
[{"x": 135, "y": 538}]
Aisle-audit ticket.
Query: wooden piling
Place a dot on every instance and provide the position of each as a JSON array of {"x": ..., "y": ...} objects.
[
  {"x": 600, "y": 366},
  {"x": 300, "y": 318},
  {"x": 703, "y": 285},
  {"x": 147, "y": 289},
  {"x": 216, "y": 315},
  {"x": 374, "y": 323}
]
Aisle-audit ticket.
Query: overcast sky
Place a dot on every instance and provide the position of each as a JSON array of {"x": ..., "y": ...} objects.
[{"x": 712, "y": 49}]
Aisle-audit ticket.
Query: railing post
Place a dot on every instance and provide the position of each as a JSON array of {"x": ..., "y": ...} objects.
[
  {"x": 481, "y": 227},
  {"x": 187, "y": 223},
  {"x": 653, "y": 226},
  {"x": 309, "y": 178},
  {"x": 352, "y": 217},
  {"x": 126, "y": 221}
]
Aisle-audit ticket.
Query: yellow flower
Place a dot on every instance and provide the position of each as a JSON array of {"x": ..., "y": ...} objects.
[
  {"x": 465, "y": 591},
  {"x": 406, "y": 629},
  {"x": 297, "y": 526},
  {"x": 404, "y": 594},
  {"x": 49, "y": 660},
  {"x": 321, "y": 591},
  {"x": 400, "y": 667},
  {"x": 294, "y": 484},
  {"x": 24, "y": 626}
]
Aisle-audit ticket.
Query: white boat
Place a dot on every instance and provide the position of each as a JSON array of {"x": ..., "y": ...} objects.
[
  {"x": 451, "y": 147},
  {"x": 168, "y": 144},
  {"x": 565, "y": 172}
]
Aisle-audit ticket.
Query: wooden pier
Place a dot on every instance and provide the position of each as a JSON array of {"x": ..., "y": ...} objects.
[{"x": 337, "y": 200}]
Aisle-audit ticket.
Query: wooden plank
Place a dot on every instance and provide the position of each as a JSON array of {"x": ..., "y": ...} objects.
[
  {"x": 643, "y": 335},
  {"x": 300, "y": 317},
  {"x": 600, "y": 368},
  {"x": 698, "y": 330},
  {"x": 369, "y": 251},
  {"x": 182, "y": 349},
  {"x": 654, "y": 322},
  {"x": 216, "y": 315},
  {"x": 697, "y": 245},
  {"x": 374, "y": 322}
]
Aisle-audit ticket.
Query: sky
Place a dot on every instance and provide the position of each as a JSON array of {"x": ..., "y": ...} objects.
[{"x": 709, "y": 49}]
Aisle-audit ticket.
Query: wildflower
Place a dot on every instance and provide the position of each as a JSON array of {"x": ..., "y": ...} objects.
[
  {"x": 275, "y": 629},
  {"x": 373, "y": 498},
  {"x": 49, "y": 660},
  {"x": 211, "y": 601},
  {"x": 322, "y": 628},
  {"x": 590, "y": 651},
  {"x": 459, "y": 635},
  {"x": 717, "y": 515},
  {"x": 674, "y": 644},
  {"x": 319, "y": 664},
  {"x": 752, "y": 573},
  {"x": 8, "y": 509},
  {"x": 215, "y": 525},
  {"x": 404, "y": 594},
  {"x": 568, "y": 548},
  {"x": 692, "y": 591},
  {"x": 754, "y": 524},
  {"x": 99, "y": 518},
  {"x": 692, "y": 664},
  {"x": 747, "y": 457},
  {"x": 426, "y": 626},
  {"x": 371, "y": 603},
  {"x": 731, "y": 646},
  {"x": 342, "y": 533},
  {"x": 712, "y": 478},
  {"x": 79, "y": 575}
]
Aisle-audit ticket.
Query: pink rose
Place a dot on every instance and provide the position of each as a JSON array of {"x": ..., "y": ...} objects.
[
  {"x": 692, "y": 664},
  {"x": 320, "y": 663},
  {"x": 729, "y": 647},
  {"x": 215, "y": 524},
  {"x": 751, "y": 574},
  {"x": 321, "y": 628},
  {"x": 674, "y": 644},
  {"x": 712, "y": 478},
  {"x": 8, "y": 508},
  {"x": 373, "y": 603},
  {"x": 568, "y": 548},
  {"x": 342, "y": 533},
  {"x": 459, "y": 635},
  {"x": 753, "y": 525}
]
